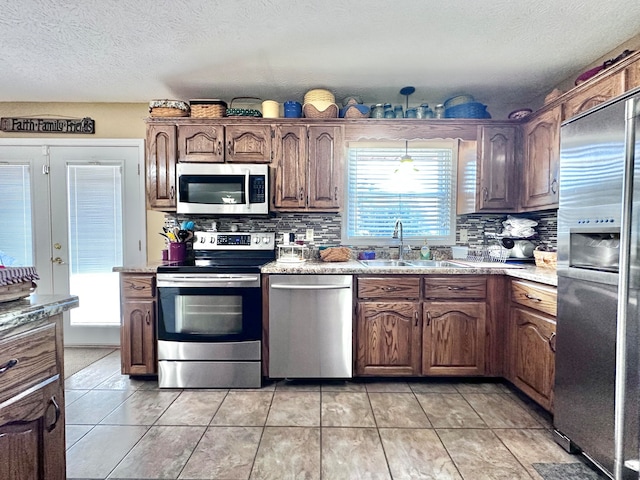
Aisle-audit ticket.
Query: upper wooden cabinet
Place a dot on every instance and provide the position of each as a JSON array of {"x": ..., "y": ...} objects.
[
  {"x": 541, "y": 160},
  {"x": 497, "y": 169},
  {"x": 307, "y": 168},
  {"x": 161, "y": 167},
  {"x": 487, "y": 179},
  {"x": 201, "y": 143},
  {"x": 606, "y": 89},
  {"x": 249, "y": 143}
]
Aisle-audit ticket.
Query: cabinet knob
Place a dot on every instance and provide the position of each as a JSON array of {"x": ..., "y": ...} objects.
[
  {"x": 335, "y": 194},
  {"x": 554, "y": 186},
  {"x": 415, "y": 314},
  {"x": 219, "y": 147},
  {"x": 552, "y": 342},
  {"x": 229, "y": 147},
  {"x": 428, "y": 318},
  {"x": 485, "y": 193},
  {"x": 301, "y": 194},
  {"x": 172, "y": 192},
  {"x": 147, "y": 317}
]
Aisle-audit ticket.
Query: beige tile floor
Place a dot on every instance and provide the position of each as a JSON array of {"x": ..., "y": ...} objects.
[{"x": 119, "y": 428}]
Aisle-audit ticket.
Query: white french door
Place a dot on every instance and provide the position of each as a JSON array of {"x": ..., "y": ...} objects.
[{"x": 84, "y": 214}]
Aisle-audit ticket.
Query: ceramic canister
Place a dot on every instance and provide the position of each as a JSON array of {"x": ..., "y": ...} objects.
[
  {"x": 270, "y": 109},
  {"x": 292, "y": 109}
]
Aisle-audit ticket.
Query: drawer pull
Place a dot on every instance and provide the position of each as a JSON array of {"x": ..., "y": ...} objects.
[
  {"x": 136, "y": 287},
  {"x": 389, "y": 289},
  {"x": 172, "y": 192},
  {"x": 52, "y": 401},
  {"x": 10, "y": 364},
  {"x": 552, "y": 342},
  {"x": 335, "y": 194},
  {"x": 428, "y": 318},
  {"x": 531, "y": 297},
  {"x": 456, "y": 288}
]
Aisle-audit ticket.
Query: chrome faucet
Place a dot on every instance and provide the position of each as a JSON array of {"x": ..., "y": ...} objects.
[{"x": 398, "y": 227}]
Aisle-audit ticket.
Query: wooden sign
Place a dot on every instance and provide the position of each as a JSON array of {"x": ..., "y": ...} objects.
[{"x": 48, "y": 125}]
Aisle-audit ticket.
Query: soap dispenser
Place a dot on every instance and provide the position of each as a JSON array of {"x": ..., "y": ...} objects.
[{"x": 425, "y": 251}]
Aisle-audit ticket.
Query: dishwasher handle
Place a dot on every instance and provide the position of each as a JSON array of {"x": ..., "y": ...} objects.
[{"x": 284, "y": 286}]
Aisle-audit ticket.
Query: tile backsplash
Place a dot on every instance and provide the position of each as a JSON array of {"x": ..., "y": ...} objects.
[{"x": 327, "y": 228}]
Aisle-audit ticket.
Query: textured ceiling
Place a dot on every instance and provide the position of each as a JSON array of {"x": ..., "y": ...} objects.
[{"x": 504, "y": 52}]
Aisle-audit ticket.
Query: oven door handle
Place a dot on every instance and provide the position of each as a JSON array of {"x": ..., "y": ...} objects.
[
  {"x": 247, "y": 176},
  {"x": 173, "y": 282},
  {"x": 280, "y": 286}
]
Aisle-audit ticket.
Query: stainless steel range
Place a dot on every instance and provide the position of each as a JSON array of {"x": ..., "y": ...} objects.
[{"x": 210, "y": 313}]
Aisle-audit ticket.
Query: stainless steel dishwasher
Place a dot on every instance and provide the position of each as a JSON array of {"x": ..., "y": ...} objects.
[{"x": 310, "y": 326}]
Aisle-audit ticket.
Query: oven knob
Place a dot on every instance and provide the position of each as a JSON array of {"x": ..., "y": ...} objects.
[
  {"x": 256, "y": 239},
  {"x": 265, "y": 240}
]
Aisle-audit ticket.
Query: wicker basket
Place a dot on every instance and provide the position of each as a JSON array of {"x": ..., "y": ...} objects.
[
  {"x": 16, "y": 291},
  {"x": 168, "y": 108},
  {"x": 208, "y": 108},
  {"x": 467, "y": 110},
  {"x": 546, "y": 259},
  {"x": 310, "y": 111},
  {"x": 354, "y": 112},
  {"x": 167, "y": 112}
]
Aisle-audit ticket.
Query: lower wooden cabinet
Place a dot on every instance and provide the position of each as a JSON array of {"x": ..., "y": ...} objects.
[
  {"x": 138, "y": 349},
  {"x": 453, "y": 338},
  {"x": 531, "y": 345},
  {"x": 32, "y": 421},
  {"x": 388, "y": 336}
]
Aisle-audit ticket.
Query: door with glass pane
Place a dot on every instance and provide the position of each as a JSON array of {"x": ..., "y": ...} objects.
[{"x": 87, "y": 216}]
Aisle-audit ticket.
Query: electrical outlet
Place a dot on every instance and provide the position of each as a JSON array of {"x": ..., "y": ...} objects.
[
  {"x": 309, "y": 235},
  {"x": 464, "y": 235}
]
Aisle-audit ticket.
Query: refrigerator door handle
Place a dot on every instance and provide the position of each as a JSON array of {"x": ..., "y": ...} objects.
[{"x": 623, "y": 286}]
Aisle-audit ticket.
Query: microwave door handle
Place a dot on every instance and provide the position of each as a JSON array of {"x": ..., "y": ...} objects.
[{"x": 246, "y": 189}]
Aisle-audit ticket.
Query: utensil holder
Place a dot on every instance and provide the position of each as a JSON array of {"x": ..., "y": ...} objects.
[{"x": 177, "y": 251}]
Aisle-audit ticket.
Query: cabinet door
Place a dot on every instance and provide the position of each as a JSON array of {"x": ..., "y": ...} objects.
[
  {"x": 496, "y": 169},
  {"x": 325, "y": 167},
  {"x": 161, "y": 167},
  {"x": 453, "y": 338},
  {"x": 249, "y": 143},
  {"x": 601, "y": 91},
  {"x": 388, "y": 338},
  {"x": 201, "y": 143},
  {"x": 541, "y": 160},
  {"x": 290, "y": 173},
  {"x": 32, "y": 436},
  {"x": 532, "y": 355},
  {"x": 138, "y": 337}
]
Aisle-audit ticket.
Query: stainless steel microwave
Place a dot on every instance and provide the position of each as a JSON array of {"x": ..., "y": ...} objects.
[{"x": 223, "y": 188}]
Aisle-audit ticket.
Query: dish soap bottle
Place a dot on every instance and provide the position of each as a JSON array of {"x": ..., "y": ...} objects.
[{"x": 425, "y": 252}]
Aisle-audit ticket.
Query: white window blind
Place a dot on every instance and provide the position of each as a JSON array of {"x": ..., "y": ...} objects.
[
  {"x": 379, "y": 193},
  {"x": 16, "y": 236}
]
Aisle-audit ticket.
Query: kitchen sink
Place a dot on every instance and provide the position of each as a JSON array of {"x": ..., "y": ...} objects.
[
  {"x": 385, "y": 263},
  {"x": 412, "y": 263}
]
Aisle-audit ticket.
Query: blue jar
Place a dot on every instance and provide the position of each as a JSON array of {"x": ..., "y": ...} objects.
[
  {"x": 292, "y": 109},
  {"x": 411, "y": 113},
  {"x": 398, "y": 111},
  {"x": 377, "y": 111}
]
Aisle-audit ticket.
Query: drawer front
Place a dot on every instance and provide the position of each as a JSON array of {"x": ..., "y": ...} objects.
[
  {"x": 138, "y": 286},
  {"x": 455, "y": 286},
  {"x": 539, "y": 297},
  {"x": 26, "y": 360},
  {"x": 389, "y": 287}
]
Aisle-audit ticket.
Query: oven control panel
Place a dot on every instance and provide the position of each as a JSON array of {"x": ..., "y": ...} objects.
[{"x": 234, "y": 241}]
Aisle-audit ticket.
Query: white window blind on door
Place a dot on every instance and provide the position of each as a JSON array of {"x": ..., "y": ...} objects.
[
  {"x": 424, "y": 199},
  {"x": 94, "y": 196},
  {"x": 16, "y": 216}
]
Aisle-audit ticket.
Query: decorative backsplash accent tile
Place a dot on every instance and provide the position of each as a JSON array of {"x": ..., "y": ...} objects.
[{"x": 327, "y": 229}]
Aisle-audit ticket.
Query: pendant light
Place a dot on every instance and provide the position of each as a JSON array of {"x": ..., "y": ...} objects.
[{"x": 406, "y": 166}]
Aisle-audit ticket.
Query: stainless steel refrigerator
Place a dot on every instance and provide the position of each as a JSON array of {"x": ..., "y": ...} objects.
[{"x": 596, "y": 386}]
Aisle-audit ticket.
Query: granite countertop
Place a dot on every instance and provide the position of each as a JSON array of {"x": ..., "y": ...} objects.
[
  {"x": 354, "y": 267},
  {"x": 35, "y": 307}
]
